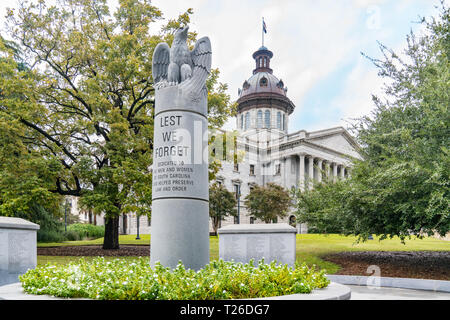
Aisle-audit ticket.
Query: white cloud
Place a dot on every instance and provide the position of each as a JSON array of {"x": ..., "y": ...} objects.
[{"x": 355, "y": 99}]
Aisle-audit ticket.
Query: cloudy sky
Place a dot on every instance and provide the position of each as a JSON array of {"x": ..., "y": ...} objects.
[{"x": 317, "y": 47}]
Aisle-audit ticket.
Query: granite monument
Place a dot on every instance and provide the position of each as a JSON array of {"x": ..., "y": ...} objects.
[
  {"x": 271, "y": 242},
  {"x": 18, "y": 248},
  {"x": 180, "y": 188}
]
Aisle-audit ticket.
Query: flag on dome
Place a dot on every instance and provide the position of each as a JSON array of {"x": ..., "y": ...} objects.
[{"x": 264, "y": 26}]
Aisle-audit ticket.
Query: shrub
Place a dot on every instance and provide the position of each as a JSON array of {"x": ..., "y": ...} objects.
[
  {"x": 71, "y": 235},
  {"x": 49, "y": 235},
  {"x": 136, "y": 280},
  {"x": 83, "y": 231}
]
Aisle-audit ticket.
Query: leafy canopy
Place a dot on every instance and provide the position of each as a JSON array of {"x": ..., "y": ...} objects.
[
  {"x": 78, "y": 120},
  {"x": 268, "y": 202},
  {"x": 402, "y": 186}
]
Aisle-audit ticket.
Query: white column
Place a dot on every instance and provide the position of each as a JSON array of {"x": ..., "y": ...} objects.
[
  {"x": 319, "y": 172},
  {"x": 342, "y": 172},
  {"x": 328, "y": 169},
  {"x": 288, "y": 163},
  {"x": 311, "y": 171},
  {"x": 301, "y": 168},
  {"x": 334, "y": 164}
]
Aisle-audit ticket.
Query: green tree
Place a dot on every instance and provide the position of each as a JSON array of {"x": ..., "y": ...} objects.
[
  {"x": 222, "y": 203},
  {"x": 402, "y": 186},
  {"x": 268, "y": 202},
  {"x": 81, "y": 115}
]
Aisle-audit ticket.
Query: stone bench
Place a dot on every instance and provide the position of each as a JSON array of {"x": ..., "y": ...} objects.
[
  {"x": 18, "y": 248},
  {"x": 242, "y": 242}
]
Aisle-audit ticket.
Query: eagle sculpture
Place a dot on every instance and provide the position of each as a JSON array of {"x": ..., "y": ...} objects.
[{"x": 178, "y": 66}]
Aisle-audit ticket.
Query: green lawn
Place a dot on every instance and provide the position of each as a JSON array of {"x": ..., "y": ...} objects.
[{"x": 310, "y": 247}]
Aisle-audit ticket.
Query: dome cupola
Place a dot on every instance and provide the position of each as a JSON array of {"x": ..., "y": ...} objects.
[{"x": 263, "y": 93}]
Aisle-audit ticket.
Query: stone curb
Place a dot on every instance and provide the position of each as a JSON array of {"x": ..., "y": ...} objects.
[
  {"x": 334, "y": 291},
  {"x": 403, "y": 283}
]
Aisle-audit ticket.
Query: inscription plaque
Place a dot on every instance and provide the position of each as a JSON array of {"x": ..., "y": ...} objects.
[
  {"x": 243, "y": 242},
  {"x": 4, "y": 261},
  {"x": 178, "y": 169},
  {"x": 18, "y": 251}
]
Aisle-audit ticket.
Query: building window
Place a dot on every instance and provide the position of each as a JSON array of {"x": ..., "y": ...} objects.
[
  {"x": 277, "y": 168},
  {"x": 252, "y": 169},
  {"x": 259, "y": 119},
  {"x": 279, "y": 120},
  {"x": 283, "y": 123},
  {"x": 263, "y": 82},
  {"x": 247, "y": 120},
  {"x": 149, "y": 222},
  {"x": 242, "y": 121},
  {"x": 252, "y": 220},
  {"x": 267, "y": 119},
  {"x": 236, "y": 166}
]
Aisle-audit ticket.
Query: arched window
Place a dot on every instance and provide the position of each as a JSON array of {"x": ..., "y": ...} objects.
[
  {"x": 259, "y": 119},
  {"x": 263, "y": 82},
  {"x": 267, "y": 119},
  {"x": 247, "y": 120},
  {"x": 279, "y": 120},
  {"x": 242, "y": 121},
  {"x": 284, "y": 122},
  {"x": 265, "y": 62}
]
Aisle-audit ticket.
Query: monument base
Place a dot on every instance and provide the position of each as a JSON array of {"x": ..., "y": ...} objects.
[
  {"x": 180, "y": 231},
  {"x": 18, "y": 248},
  {"x": 243, "y": 242}
]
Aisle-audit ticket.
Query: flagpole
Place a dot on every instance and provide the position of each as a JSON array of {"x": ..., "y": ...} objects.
[{"x": 262, "y": 31}]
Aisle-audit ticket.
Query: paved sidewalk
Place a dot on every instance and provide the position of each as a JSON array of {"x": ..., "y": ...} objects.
[{"x": 385, "y": 293}]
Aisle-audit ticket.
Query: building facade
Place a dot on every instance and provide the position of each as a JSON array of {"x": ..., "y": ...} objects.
[{"x": 270, "y": 152}]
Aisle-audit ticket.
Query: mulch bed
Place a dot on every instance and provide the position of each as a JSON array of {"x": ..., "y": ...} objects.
[
  {"x": 400, "y": 264},
  {"x": 123, "y": 251}
]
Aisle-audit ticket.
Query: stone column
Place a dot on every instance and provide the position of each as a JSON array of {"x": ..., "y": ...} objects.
[
  {"x": 334, "y": 171},
  {"x": 342, "y": 172},
  {"x": 288, "y": 174},
  {"x": 319, "y": 175},
  {"x": 301, "y": 169},
  {"x": 327, "y": 169},
  {"x": 180, "y": 190},
  {"x": 311, "y": 171}
]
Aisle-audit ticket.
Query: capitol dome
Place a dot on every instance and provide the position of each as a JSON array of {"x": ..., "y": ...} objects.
[{"x": 263, "y": 101}]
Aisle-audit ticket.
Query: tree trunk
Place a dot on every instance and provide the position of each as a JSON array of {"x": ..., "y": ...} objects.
[
  {"x": 215, "y": 225},
  {"x": 111, "y": 239}
]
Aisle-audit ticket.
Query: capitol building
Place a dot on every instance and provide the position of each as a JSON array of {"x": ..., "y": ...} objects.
[{"x": 271, "y": 153}]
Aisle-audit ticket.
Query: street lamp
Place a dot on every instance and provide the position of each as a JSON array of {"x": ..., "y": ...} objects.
[{"x": 238, "y": 195}]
